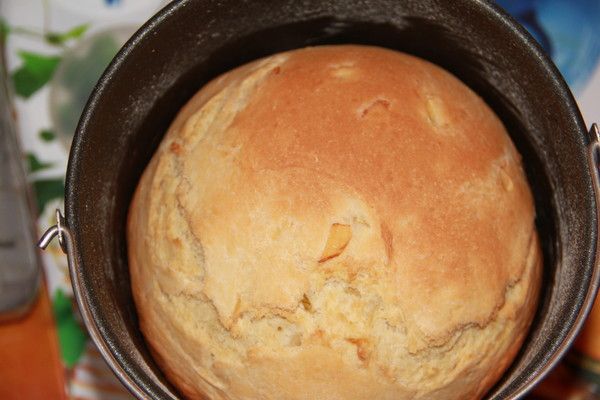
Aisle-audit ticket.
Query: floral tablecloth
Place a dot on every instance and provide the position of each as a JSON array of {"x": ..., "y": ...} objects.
[{"x": 57, "y": 49}]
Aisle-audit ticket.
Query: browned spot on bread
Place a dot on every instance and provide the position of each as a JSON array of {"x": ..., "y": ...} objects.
[
  {"x": 377, "y": 103},
  {"x": 306, "y": 303},
  {"x": 175, "y": 148},
  {"x": 319, "y": 337},
  {"x": 388, "y": 240},
  {"x": 362, "y": 348}
]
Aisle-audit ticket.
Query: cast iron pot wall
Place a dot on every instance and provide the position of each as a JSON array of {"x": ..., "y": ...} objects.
[{"x": 190, "y": 42}]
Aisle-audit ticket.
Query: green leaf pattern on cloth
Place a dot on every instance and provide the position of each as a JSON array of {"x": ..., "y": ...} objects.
[
  {"x": 4, "y": 29},
  {"x": 47, "y": 190},
  {"x": 57, "y": 38},
  {"x": 47, "y": 135},
  {"x": 35, "y": 71},
  {"x": 71, "y": 336},
  {"x": 35, "y": 165}
]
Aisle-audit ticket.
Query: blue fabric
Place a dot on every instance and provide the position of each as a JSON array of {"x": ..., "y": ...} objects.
[{"x": 567, "y": 30}]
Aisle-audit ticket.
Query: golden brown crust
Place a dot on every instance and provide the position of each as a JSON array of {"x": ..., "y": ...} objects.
[{"x": 340, "y": 222}]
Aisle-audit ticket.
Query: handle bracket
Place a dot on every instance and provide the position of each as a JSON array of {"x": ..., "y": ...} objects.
[
  {"x": 56, "y": 230},
  {"x": 594, "y": 158}
]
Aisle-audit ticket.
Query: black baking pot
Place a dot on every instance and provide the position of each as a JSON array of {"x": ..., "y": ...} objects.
[{"x": 192, "y": 41}]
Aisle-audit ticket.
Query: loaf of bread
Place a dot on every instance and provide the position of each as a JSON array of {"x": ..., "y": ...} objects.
[{"x": 337, "y": 222}]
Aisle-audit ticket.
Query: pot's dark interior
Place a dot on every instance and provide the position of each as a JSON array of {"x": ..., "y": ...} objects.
[{"x": 193, "y": 41}]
